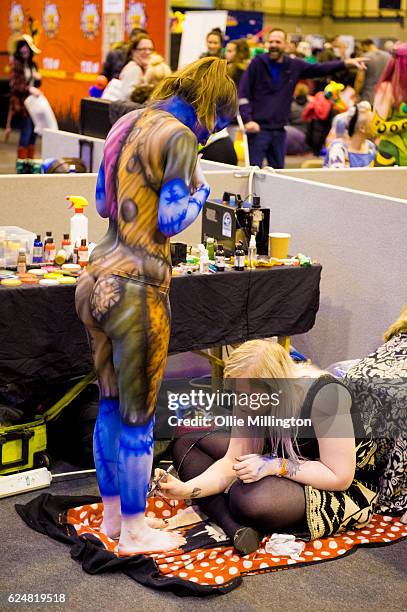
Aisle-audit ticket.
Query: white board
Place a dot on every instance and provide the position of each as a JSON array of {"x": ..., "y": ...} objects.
[{"x": 196, "y": 26}]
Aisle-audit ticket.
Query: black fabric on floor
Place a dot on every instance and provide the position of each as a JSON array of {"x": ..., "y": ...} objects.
[{"x": 47, "y": 515}]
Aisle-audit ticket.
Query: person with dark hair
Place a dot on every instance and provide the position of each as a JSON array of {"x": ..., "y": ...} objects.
[
  {"x": 214, "y": 43},
  {"x": 151, "y": 187},
  {"x": 237, "y": 55},
  {"x": 116, "y": 57},
  {"x": 265, "y": 94},
  {"x": 25, "y": 81},
  {"x": 357, "y": 150},
  {"x": 138, "y": 58},
  {"x": 366, "y": 80}
]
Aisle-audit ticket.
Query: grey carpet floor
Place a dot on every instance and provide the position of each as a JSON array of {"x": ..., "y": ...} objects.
[{"x": 369, "y": 580}]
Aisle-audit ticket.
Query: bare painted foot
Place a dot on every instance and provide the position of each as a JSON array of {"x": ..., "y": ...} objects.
[
  {"x": 112, "y": 520},
  {"x": 146, "y": 539}
]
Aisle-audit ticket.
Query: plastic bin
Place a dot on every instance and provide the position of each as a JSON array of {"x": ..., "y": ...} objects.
[{"x": 13, "y": 238}]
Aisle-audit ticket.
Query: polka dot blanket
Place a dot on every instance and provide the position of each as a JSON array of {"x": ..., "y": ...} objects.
[{"x": 208, "y": 559}]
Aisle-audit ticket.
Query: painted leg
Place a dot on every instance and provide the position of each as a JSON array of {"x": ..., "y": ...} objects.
[
  {"x": 105, "y": 451},
  {"x": 135, "y": 464}
]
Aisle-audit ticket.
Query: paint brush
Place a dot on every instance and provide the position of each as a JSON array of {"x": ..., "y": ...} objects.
[{"x": 155, "y": 484}]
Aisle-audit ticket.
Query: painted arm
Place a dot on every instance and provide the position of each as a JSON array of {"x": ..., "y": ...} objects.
[
  {"x": 101, "y": 206},
  {"x": 178, "y": 207}
]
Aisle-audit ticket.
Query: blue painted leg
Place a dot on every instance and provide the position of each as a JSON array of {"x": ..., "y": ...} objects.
[
  {"x": 105, "y": 451},
  {"x": 135, "y": 463}
]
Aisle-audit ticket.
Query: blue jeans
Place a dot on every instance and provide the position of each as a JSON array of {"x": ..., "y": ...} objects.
[
  {"x": 269, "y": 144},
  {"x": 27, "y": 134}
]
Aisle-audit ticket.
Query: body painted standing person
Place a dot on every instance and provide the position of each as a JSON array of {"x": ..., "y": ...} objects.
[{"x": 150, "y": 186}]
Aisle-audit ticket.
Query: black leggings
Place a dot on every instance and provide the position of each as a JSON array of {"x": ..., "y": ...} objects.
[{"x": 271, "y": 504}]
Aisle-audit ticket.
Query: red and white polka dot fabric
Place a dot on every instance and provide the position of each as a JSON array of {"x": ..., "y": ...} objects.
[{"x": 216, "y": 566}]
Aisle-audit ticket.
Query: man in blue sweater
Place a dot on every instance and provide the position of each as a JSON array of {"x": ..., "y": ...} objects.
[{"x": 266, "y": 92}]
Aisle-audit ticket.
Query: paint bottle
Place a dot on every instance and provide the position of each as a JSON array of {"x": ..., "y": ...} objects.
[
  {"x": 38, "y": 251},
  {"x": 204, "y": 262},
  {"x": 220, "y": 258},
  {"x": 239, "y": 257},
  {"x": 50, "y": 250},
  {"x": 210, "y": 247},
  {"x": 21, "y": 262},
  {"x": 83, "y": 254},
  {"x": 60, "y": 257},
  {"x": 67, "y": 247},
  {"x": 75, "y": 256},
  {"x": 79, "y": 223},
  {"x": 252, "y": 253}
]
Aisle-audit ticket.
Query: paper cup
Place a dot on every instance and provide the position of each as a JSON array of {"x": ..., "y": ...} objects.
[{"x": 278, "y": 245}]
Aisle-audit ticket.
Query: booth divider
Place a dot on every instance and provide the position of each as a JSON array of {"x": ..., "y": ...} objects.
[
  {"x": 358, "y": 237},
  {"x": 360, "y": 240}
]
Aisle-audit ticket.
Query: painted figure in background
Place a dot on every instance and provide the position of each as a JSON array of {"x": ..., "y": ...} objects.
[
  {"x": 150, "y": 187},
  {"x": 353, "y": 149},
  {"x": 390, "y": 110}
]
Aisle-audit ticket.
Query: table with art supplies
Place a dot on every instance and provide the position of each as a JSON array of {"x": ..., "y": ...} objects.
[
  {"x": 43, "y": 339},
  {"x": 223, "y": 292}
]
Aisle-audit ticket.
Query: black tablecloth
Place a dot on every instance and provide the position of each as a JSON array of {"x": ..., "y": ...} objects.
[{"x": 41, "y": 337}]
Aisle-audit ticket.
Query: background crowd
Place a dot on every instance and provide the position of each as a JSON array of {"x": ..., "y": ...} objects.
[
  {"x": 294, "y": 99},
  {"x": 336, "y": 108}
]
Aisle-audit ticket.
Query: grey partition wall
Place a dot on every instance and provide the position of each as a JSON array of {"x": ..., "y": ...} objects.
[
  {"x": 385, "y": 181},
  {"x": 360, "y": 240}
]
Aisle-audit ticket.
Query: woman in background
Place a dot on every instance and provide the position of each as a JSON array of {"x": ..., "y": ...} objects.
[
  {"x": 214, "y": 43},
  {"x": 237, "y": 56},
  {"x": 25, "y": 81},
  {"x": 137, "y": 64}
]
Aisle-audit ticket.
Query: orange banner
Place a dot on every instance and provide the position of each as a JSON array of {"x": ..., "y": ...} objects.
[{"x": 69, "y": 34}]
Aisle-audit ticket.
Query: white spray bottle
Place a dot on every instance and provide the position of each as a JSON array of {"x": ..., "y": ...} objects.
[{"x": 79, "y": 223}]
